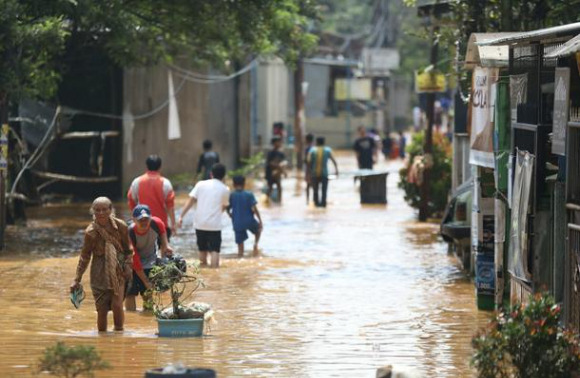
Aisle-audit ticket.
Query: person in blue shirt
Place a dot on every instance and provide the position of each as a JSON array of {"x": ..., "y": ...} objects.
[
  {"x": 243, "y": 211},
  {"x": 318, "y": 163}
]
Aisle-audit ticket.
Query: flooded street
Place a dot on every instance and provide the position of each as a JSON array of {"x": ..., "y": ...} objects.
[{"x": 338, "y": 292}]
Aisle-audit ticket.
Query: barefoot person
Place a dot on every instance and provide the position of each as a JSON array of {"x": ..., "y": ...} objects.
[
  {"x": 242, "y": 210},
  {"x": 318, "y": 161},
  {"x": 212, "y": 198},
  {"x": 107, "y": 241},
  {"x": 275, "y": 168},
  {"x": 144, "y": 233}
]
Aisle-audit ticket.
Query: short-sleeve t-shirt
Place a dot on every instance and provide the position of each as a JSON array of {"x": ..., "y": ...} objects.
[
  {"x": 318, "y": 160},
  {"x": 212, "y": 195},
  {"x": 241, "y": 203},
  {"x": 145, "y": 244},
  {"x": 206, "y": 162},
  {"x": 365, "y": 147}
]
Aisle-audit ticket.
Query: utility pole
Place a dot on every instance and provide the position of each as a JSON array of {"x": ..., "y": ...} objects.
[
  {"x": 299, "y": 116},
  {"x": 424, "y": 211}
]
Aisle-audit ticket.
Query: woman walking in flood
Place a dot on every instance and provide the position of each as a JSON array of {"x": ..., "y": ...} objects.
[{"x": 106, "y": 239}]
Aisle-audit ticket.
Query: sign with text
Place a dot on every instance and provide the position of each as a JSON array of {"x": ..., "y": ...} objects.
[
  {"x": 430, "y": 82},
  {"x": 352, "y": 89},
  {"x": 482, "y": 112},
  {"x": 561, "y": 102}
]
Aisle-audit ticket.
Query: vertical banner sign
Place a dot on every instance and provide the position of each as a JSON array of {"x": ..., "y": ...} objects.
[
  {"x": 561, "y": 102},
  {"x": 4, "y": 148},
  {"x": 482, "y": 106}
]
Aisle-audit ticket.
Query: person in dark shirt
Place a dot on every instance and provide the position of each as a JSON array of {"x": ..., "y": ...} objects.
[
  {"x": 309, "y": 146},
  {"x": 275, "y": 167},
  {"x": 402, "y": 144},
  {"x": 243, "y": 211},
  {"x": 207, "y": 159},
  {"x": 364, "y": 147}
]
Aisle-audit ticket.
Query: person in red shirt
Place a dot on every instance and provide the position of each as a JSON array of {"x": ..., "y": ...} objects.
[{"x": 155, "y": 191}]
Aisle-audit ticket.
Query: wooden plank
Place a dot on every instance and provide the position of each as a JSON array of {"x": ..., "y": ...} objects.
[{"x": 80, "y": 179}]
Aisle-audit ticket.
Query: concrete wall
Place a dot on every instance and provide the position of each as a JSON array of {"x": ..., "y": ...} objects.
[
  {"x": 274, "y": 92},
  {"x": 205, "y": 112}
]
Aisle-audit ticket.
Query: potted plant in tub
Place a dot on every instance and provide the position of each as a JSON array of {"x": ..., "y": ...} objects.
[{"x": 174, "y": 318}]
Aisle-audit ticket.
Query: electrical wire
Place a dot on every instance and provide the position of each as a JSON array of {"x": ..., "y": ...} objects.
[
  {"x": 73, "y": 112},
  {"x": 209, "y": 79},
  {"x": 38, "y": 152}
]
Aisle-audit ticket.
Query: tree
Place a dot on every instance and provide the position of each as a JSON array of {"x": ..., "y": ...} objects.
[
  {"x": 30, "y": 42},
  {"x": 34, "y": 34}
]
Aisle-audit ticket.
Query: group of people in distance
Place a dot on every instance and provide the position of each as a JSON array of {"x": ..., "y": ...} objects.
[
  {"x": 316, "y": 160},
  {"x": 122, "y": 256}
]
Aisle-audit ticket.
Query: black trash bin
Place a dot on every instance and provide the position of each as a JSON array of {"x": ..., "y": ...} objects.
[
  {"x": 373, "y": 186},
  {"x": 189, "y": 373}
]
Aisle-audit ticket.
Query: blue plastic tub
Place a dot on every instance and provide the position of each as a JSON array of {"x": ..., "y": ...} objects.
[{"x": 180, "y": 327}]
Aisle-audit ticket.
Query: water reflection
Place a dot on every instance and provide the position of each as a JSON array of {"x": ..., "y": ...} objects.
[{"x": 338, "y": 292}]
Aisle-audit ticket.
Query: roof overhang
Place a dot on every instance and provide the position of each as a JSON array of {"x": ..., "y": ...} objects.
[
  {"x": 486, "y": 56},
  {"x": 570, "y": 47},
  {"x": 535, "y": 35}
]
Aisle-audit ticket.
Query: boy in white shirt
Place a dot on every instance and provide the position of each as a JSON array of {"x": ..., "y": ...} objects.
[{"x": 212, "y": 198}]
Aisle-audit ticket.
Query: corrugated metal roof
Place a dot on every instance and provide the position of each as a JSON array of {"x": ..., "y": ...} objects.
[
  {"x": 568, "y": 48},
  {"x": 534, "y": 35},
  {"x": 486, "y": 56}
]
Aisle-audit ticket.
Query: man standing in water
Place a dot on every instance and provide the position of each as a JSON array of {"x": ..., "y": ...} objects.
[
  {"x": 207, "y": 160},
  {"x": 212, "y": 198},
  {"x": 365, "y": 148},
  {"x": 275, "y": 167},
  {"x": 318, "y": 161},
  {"x": 155, "y": 191},
  {"x": 309, "y": 146}
]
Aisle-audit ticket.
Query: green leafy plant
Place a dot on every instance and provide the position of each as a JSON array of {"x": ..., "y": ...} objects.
[
  {"x": 250, "y": 166},
  {"x": 527, "y": 342},
  {"x": 440, "y": 173},
  {"x": 63, "y": 361},
  {"x": 179, "y": 285}
]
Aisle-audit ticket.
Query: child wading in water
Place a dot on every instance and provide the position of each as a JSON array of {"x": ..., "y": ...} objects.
[{"x": 242, "y": 210}]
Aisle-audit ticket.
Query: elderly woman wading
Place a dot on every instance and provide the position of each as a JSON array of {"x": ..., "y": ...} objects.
[{"x": 106, "y": 239}]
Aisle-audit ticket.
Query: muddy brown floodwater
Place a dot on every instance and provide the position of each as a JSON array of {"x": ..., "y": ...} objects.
[{"x": 339, "y": 291}]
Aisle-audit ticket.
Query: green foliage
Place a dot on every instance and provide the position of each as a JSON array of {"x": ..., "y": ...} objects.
[
  {"x": 34, "y": 35},
  {"x": 69, "y": 362},
  {"x": 346, "y": 16},
  {"x": 31, "y": 40},
  {"x": 527, "y": 342},
  {"x": 250, "y": 166},
  {"x": 181, "y": 286},
  {"x": 440, "y": 173}
]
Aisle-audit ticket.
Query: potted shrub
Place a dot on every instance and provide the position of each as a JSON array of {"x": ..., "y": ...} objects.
[
  {"x": 527, "y": 342},
  {"x": 174, "y": 318}
]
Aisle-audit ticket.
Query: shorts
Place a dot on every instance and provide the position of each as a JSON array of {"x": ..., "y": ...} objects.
[
  {"x": 208, "y": 241},
  {"x": 137, "y": 286},
  {"x": 242, "y": 235}
]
